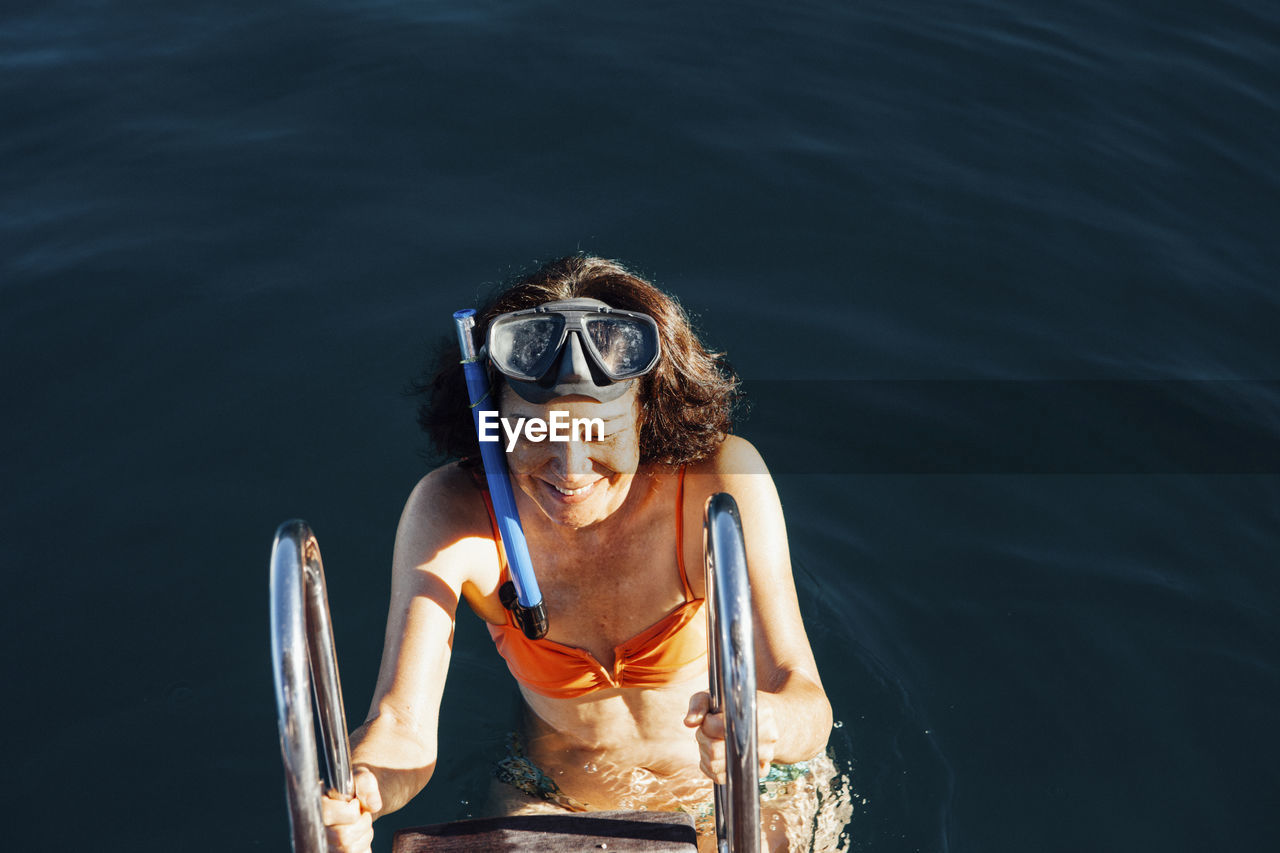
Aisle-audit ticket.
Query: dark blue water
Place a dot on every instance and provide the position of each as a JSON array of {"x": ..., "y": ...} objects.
[{"x": 1001, "y": 277}]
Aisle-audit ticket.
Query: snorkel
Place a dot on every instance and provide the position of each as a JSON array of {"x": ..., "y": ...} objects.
[{"x": 530, "y": 613}]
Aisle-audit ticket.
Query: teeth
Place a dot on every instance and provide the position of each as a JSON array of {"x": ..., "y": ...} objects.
[{"x": 573, "y": 491}]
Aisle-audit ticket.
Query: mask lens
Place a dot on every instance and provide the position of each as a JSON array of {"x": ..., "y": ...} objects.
[
  {"x": 526, "y": 346},
  {"x": 624, "y": 345}
]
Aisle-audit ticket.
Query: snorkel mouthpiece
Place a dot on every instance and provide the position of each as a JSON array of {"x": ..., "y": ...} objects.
[
  {"x": 532, "y": 620},
  {"x": 526, "y": 604}
]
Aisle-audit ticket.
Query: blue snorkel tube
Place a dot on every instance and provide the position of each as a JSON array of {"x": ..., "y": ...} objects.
[{"x": 530, "y": 613}]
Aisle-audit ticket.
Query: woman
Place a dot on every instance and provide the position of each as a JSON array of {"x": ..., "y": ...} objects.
[{"x": 616, "y": 691}]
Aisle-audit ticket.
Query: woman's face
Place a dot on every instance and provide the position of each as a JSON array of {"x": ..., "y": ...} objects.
[{"x": 577, "y": 482}]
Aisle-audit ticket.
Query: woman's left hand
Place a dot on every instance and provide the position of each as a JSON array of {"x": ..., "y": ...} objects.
[{"x": 711, "y": 733}]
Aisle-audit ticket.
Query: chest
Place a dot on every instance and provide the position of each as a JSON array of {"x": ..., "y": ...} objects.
[{"x": 601, "y": 598}]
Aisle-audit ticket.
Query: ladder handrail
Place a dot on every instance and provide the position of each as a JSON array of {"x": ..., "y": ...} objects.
[
  {"x": 732, "y": 669},
  {"x": 302, "y": 645}
]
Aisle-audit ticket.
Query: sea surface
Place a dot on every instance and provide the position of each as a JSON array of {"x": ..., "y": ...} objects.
[{"x": 1000, "y": 277}]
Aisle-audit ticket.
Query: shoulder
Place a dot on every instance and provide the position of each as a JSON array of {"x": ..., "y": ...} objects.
[
  {"x": 735, "y": 455},
  {"x": 445, "y": 526},
  {"x": 447, "y": 497},
  {"x": 737, "y": 468},
  {"x": 734, "y": 465}
]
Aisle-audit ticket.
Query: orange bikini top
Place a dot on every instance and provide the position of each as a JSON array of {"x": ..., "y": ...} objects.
[{"x": 665, "y": 652}]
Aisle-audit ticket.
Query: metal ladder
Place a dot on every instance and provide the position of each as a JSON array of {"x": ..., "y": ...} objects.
[
  {"x": 731, "y": 644},
  {"x": 302, "y": 647}
]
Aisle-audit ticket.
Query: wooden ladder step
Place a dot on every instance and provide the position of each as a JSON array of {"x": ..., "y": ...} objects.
[{"x": 628, "y": 832}]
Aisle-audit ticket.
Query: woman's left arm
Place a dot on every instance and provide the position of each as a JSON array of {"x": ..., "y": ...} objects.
[{"x": 788, "y": 686}]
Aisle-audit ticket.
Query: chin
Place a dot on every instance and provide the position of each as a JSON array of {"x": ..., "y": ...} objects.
[{"x": 575, "y": 521}]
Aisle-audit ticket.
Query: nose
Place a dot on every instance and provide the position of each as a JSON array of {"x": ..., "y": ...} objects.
[{"x": 572, "y": 459}]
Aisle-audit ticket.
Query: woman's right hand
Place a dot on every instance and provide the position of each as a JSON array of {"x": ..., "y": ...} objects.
[{"x": 350, "y": 822}]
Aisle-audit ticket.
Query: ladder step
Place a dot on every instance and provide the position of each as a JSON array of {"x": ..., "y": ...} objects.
[{"x": 628, "y": 832}]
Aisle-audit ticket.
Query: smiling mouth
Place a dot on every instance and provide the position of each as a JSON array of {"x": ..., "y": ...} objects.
[{"x": 572, "y": 493}]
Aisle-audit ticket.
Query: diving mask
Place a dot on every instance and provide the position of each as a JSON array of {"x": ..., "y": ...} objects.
[{"x": 572, "y": 346}]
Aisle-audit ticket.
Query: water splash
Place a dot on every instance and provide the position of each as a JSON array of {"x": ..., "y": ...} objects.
[{"x": 813, "y": 811}]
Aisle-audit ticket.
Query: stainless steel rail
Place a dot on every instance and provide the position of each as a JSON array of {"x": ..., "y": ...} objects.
[
  {"x": 302, "y": 645},
  {"x": 731, "y": 640}
]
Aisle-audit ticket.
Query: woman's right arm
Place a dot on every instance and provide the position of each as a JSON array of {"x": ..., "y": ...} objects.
[{"x": 436, "y": 554}]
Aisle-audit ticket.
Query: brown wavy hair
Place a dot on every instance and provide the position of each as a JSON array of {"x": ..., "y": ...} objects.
[{"x": 687, "y": 402}]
